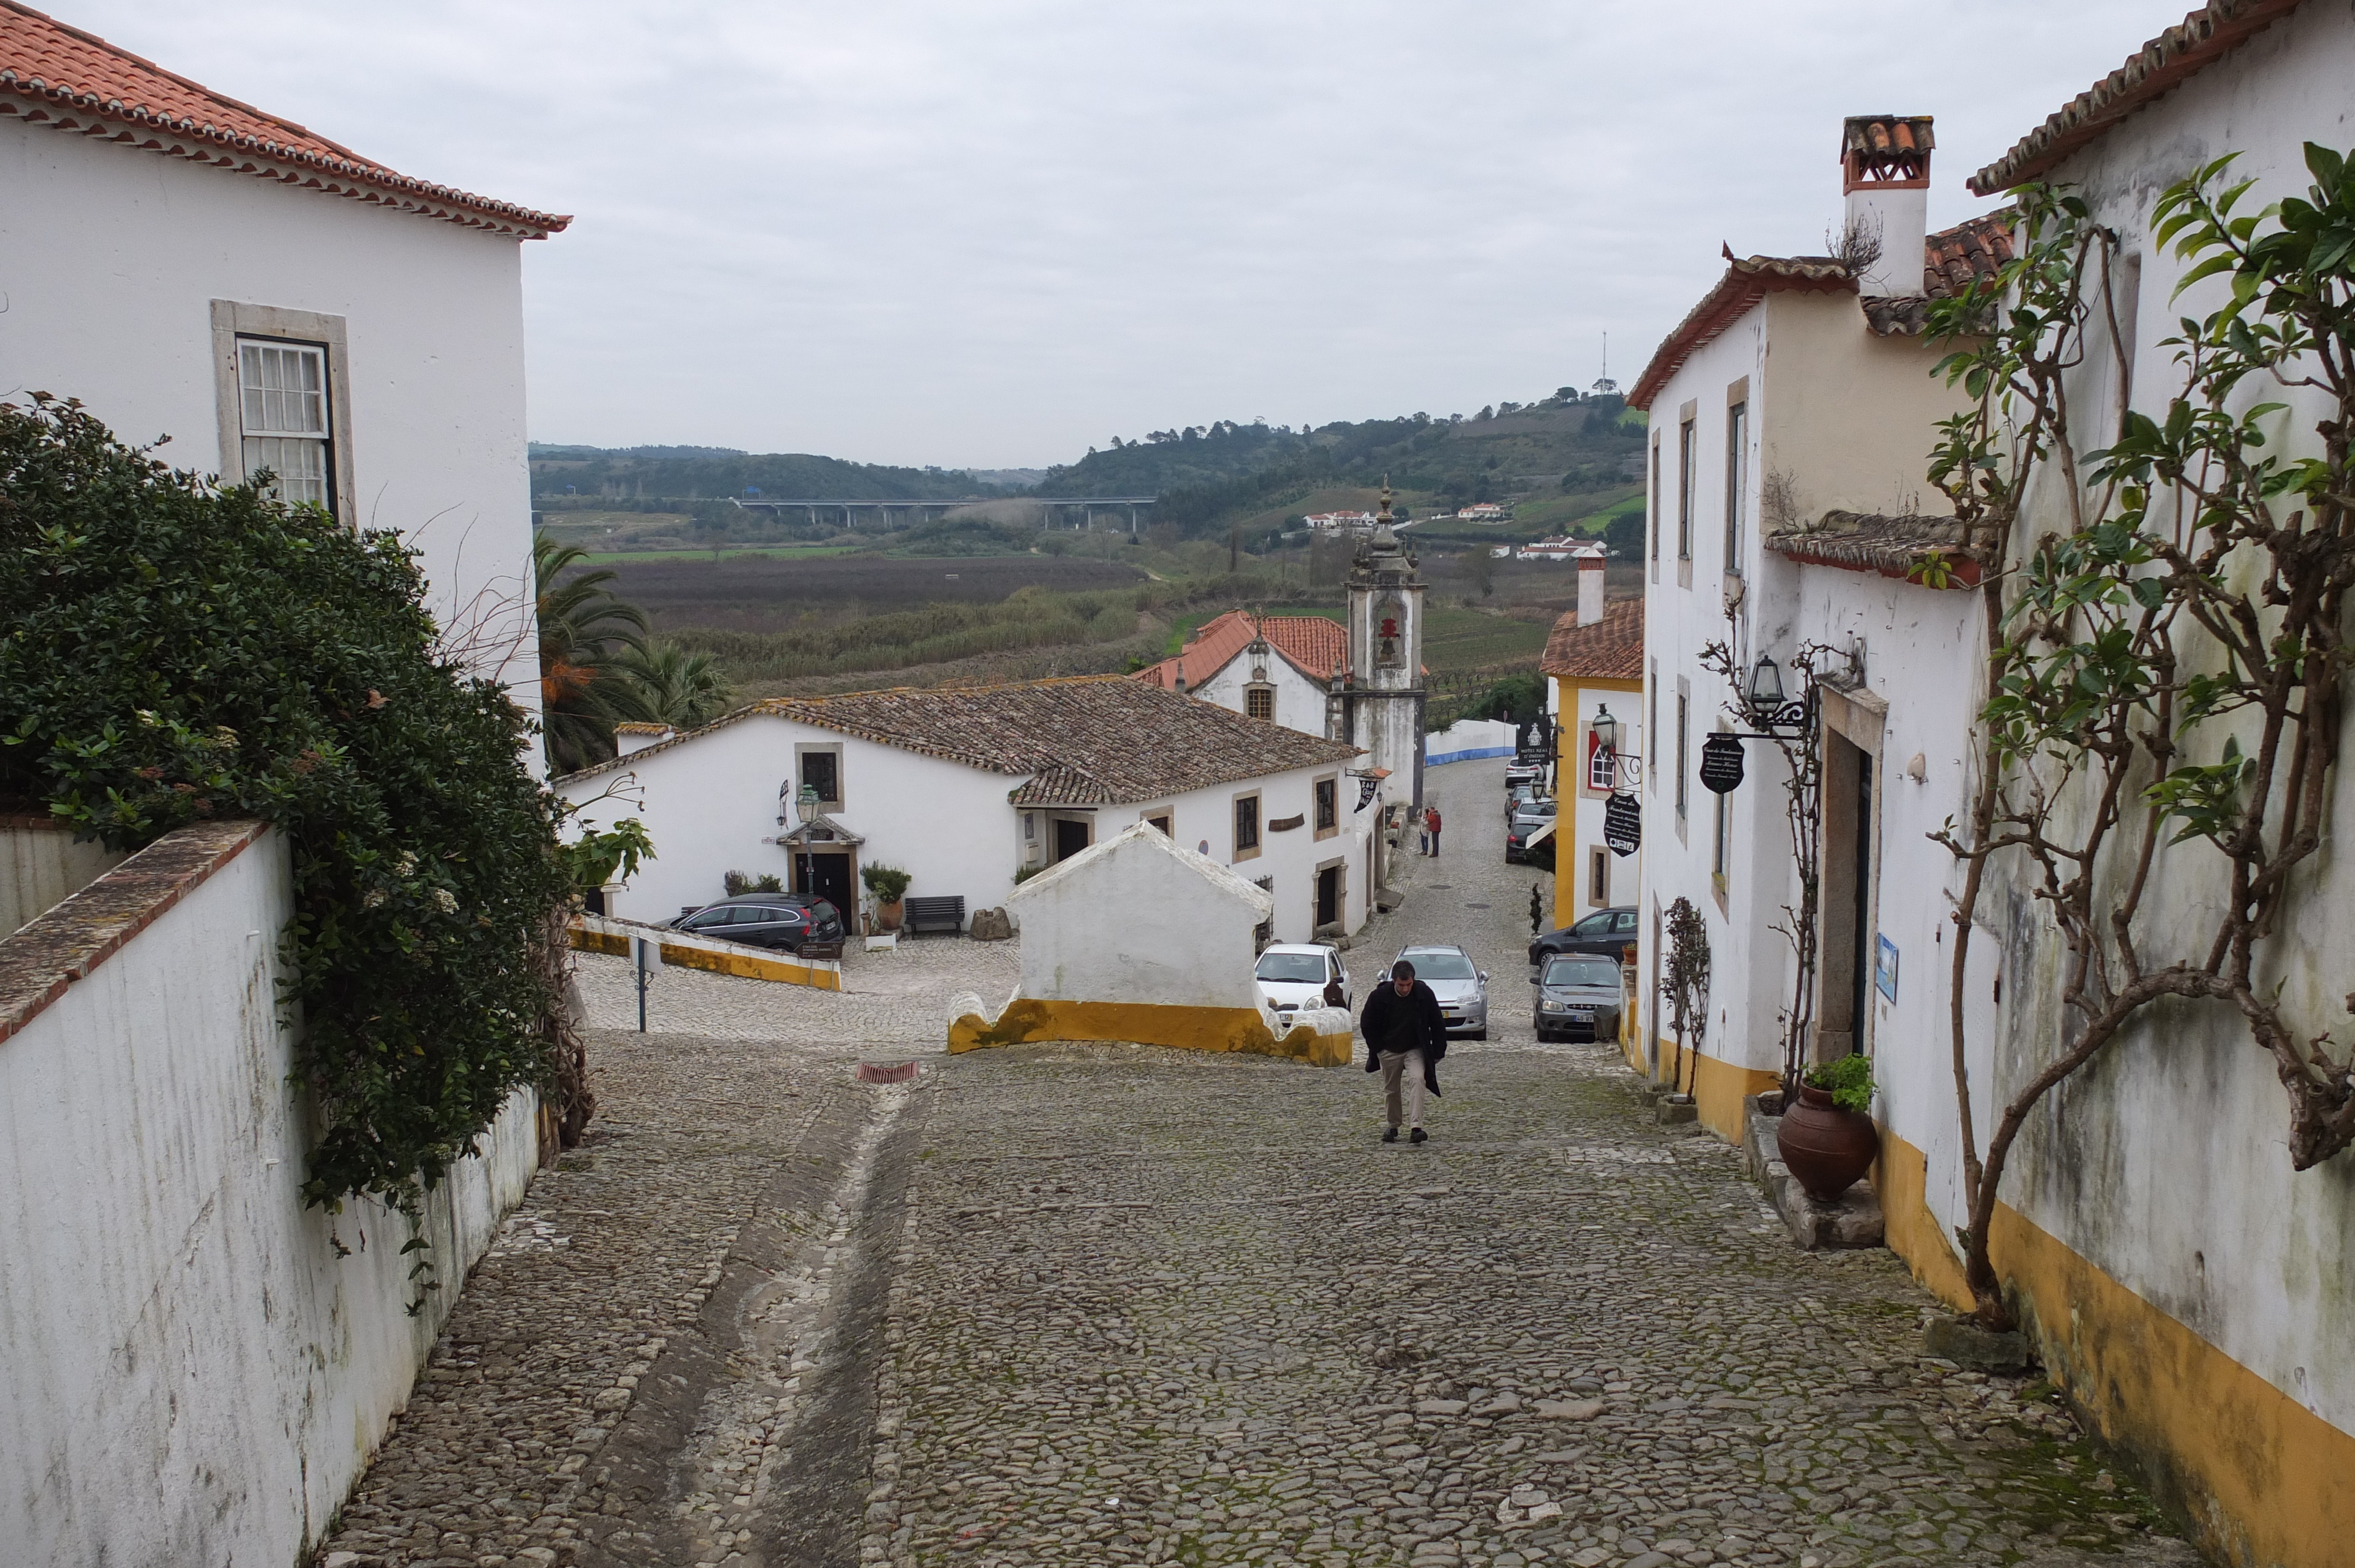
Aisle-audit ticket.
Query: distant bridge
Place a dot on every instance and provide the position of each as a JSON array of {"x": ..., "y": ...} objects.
[{"x": 1061, "y": 511}]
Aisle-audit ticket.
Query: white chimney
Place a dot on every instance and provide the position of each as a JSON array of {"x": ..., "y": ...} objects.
[
  {"x": 1885, "y": 174},
  {"x": 1590, "y": 587}
]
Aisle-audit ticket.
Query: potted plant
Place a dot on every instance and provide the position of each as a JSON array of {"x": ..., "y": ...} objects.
[
  {"x": 887, "y": 885},
  {"x": 1828, "y": 1140}
]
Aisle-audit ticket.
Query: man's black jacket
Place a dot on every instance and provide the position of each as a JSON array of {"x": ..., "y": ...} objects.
[{"x": 1408, "y": 1023}]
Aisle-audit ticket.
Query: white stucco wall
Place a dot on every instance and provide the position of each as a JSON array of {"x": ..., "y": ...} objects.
[
  {"x": 115, "y": 255},
  {"x": 710, "y": 806},
  {"x": 42, "y": 866},
  {"x": 1467, "y": 739},
  {"x": 187, "y": 1371},
  {"x": 1136, "y": 919},
  {"x": 1579, "y": 829},
  {"x": 1299, "y": 701},
  {"x": 2165, "y": 1166}
]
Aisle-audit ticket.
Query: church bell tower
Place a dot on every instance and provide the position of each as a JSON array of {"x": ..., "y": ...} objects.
[{"x": 1383, "y": 706}]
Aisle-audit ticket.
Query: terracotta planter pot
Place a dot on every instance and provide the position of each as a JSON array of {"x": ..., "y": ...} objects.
[
  {"x": 887, "y": 916},
  {"x": 1826, "y": 1149}
]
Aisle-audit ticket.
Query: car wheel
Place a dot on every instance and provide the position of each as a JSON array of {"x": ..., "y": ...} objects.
[{"x": 1478, "y": 1034}]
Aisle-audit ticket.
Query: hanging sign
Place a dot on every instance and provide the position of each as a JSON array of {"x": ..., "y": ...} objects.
[
  {"x": 1720, "y": 763},
  {"x": 1366, "y": 788},
  {"x": 1623, "y": 824}
]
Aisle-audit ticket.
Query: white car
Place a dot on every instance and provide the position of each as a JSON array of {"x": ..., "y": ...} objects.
[{"x": 1293, "y": 975}]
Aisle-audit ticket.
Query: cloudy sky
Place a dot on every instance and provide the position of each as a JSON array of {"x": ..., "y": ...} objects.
[{"x": 995, "y": 232}]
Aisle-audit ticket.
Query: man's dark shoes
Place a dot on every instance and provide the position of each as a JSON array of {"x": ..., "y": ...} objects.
[
  {"x": 1418, "y": 1136},
  {"x": 1389, "y": 1135}
]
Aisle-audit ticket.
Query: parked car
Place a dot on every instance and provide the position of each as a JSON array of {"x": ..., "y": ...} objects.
[
  {"x": 1606, "y": 931},
  {"x": 1524, "y": 770},
  {"x": 1526, "y": 820},
  {"x": 781, "y": 920},
  {"x": 1461, "y": 986},
  {"x": 1578, "y": 998},
  {"x": 1293, "y": 975}
]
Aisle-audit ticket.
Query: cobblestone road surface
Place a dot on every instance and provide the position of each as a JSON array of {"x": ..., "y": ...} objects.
[{"x": 1096, "y": 1305}]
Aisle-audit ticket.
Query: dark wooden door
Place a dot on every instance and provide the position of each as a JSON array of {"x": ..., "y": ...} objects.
[
  {"x": 828, "y": 876},
  {"x": 1071, "y": 837},
  {"x": 1328, "y": 895}
]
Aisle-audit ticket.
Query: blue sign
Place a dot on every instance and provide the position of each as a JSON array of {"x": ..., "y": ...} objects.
[{"x": 1884, "y": 969}]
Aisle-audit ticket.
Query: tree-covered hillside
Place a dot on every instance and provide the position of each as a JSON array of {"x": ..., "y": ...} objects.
[
  {"x": 1208, "y": 473},
  {"x": 690, "y": 473}
]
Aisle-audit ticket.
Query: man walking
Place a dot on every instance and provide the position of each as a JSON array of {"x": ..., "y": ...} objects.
[{"x": 1406, "y": 1034}]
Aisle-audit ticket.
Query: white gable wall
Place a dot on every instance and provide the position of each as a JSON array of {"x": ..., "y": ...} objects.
[
  {"x": 1136, "y": 919},
  {"x": 1299, "y": 701},
  {"x": 116, "y": 256}
]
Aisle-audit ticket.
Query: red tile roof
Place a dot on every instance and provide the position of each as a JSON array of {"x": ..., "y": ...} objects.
[
  {"x": 57, "y": 76},
  {"x": 1610, "y": 650},
  {"x": 1088, "y": 740},
  {"x": 1949, "y": 259},
  {"x": 1310, "y": 643},
  {"x": 1892, "y": 546},
  {"x": 1886, "y": 149},
  {"x": 2192, "y": 45}
]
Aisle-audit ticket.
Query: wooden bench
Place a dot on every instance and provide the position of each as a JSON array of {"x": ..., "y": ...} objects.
[{"x": 920, "y": 915}]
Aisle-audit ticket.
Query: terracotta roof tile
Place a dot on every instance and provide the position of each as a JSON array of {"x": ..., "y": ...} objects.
[
  {"x": 1886, "y": 149},
  {"x": 54, "y": 75},
  {"x": 1952, "y": 260},
  {"x": 1747, "y": 281},
  {"x": 1890, "y": 546},
  {"x": 1610, "y": 650},
  {"x": 2192, "y": 45},
  {"x": 1314, "y": 645},
  {"x": 1093, "y": 740}
]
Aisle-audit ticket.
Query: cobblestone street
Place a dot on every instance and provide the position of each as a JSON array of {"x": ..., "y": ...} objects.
[{"x": 1105, "y": 1303}]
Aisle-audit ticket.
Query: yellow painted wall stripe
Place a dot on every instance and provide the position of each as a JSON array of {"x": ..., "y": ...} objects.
[
  {"x": 1027, "y": 1020},
  {"x": 713, "y": 961}
]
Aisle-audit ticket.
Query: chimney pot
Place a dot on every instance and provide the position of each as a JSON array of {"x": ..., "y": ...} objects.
[
  {"x": 1589, "y": 590},
  {"x": 1885, "y": 175}
]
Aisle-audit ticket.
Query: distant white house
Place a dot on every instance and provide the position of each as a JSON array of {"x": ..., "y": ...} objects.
[
  {"x": 1483, "y": 511},
  {"x": 192, "y": 266},
  {"x": 968, "y": 789},
  {"x": 1326, "y": 522},
  {"x": 1274, "y": 667},
  {"x": 1561, "y": 549}
]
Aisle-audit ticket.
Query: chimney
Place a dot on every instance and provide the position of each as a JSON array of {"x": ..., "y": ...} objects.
[
  {"x": 1181, "y": 674},
  {"x": 1885, "y": 174},
  {"x": 1590, "y": 587}
]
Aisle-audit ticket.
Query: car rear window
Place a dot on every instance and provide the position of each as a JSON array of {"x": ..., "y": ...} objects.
[
  {"x": 762, "y": 915},
  {"x": 1441, "y": 966},
  {"x": 1579, "y": 970},
  {"x": 1298, "y": 969}
]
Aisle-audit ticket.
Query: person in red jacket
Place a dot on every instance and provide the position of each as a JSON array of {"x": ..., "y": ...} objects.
[{"x": 1431, "y": 826}]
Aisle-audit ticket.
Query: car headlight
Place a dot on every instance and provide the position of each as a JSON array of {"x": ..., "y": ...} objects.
[{"x": 1556, "y": 1006}]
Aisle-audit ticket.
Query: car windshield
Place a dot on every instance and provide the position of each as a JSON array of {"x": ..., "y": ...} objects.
[
  {"x": 1573, "y": 970},
  {"x": 1538, "y": 808},
  {"x": 1299, "y": 969},
  {"x": 1441, "y": 966}
]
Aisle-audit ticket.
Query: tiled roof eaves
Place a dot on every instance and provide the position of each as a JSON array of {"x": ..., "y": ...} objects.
[
  {"x": 1745, "y": 282},
  {"x": 1886, "y": 547},
  {"x": 322, "y": 166},
  {"x": 1610, "y": 650},
  {"x": 2183, "y": 50}
]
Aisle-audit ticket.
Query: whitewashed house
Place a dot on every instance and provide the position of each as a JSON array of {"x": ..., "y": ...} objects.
[
  {"x": 192, "y": 1368},
  {"x": 194, "y": 268},
  {"x": 1594, "y": 660},
  {"x": 969, "y": 790},
  {"x": 1795, "y": 391},
  {"x": 1280, "y": 668}
]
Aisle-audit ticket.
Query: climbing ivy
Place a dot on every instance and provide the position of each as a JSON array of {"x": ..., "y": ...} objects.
[{"x": 176, "y": 650}]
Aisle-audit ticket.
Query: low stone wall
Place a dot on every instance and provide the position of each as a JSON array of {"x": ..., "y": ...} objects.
[
  {"x": 1318, "y": 1036},
  {"x": 188, "y": 1371},
  {"x": 41, "y": 866},
  {"x": 681, "y": 949}
]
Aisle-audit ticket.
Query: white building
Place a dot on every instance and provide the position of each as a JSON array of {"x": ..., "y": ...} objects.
[
  {"x": 1784, "y": 397},
  {"x": 1277, "y": 667},
  {"x": 192, "y": 266},
  {"x": 1328, "y": 521},
  {"x": 967, "y": 790},
  {"x": 1594, "y": 658}
]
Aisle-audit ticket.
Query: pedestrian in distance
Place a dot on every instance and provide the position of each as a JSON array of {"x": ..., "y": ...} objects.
[
  {"x": 1431, "y": 820},
  {"x": 1406, "y": 1034}
]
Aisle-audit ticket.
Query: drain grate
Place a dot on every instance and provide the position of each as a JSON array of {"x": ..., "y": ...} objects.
[{"x": 1475, "y": 907}]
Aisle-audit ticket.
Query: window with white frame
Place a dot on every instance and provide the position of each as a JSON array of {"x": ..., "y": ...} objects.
[
  {"x": 1601, "y": 766},
  {"x": 1737, "y": 480},
  {"x": 1687, "y": 458},
  {"x": 1684, "y": 786},
  {"x": 283, "y": 416}
]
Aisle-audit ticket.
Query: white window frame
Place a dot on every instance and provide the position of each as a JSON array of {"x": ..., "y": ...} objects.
[{"x": 236, "y": 323}]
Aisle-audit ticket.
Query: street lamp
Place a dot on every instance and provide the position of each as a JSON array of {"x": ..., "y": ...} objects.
[
  {"x": 1627, "y": 768},
  {"x": 805, "y": 804},
  {"x": 1606, "y": 729},
  {"x": 1765, "y": 687}
]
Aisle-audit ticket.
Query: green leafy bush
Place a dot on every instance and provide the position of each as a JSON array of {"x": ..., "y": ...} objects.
[
  {"x": 1848, "y": 1081},
  {"x": 888, "y": 883},
  {"x": 176, "y": 650}
]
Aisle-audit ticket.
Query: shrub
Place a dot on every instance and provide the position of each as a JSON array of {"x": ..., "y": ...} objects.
[
  {"x": 888, "y": 883},
  {"x": 738, "y": 882},
  {"x": 1848, "y": 1080},
  {"x": 176, "y": 650}
]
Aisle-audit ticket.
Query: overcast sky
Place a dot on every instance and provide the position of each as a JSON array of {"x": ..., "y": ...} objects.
[{"x": 995, "y": 232}]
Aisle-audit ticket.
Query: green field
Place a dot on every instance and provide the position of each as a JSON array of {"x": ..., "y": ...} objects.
[
  {"x": 1453, "y": 639},
  {"x": 727, "y": 553}
]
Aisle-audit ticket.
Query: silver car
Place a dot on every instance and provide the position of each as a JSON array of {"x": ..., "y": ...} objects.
[
  {"x": 1462, "y": 989},
  {"x": 1578, "y": 997}
]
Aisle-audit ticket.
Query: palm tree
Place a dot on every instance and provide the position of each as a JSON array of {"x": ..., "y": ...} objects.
[
  {"x": 586, "y": 634},
  {"x": 674, "y": 686}
]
